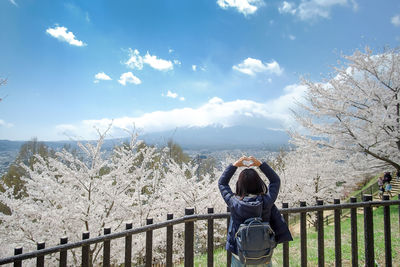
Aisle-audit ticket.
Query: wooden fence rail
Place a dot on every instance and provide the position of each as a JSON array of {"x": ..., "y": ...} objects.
[{"x": 190, "y": 218}]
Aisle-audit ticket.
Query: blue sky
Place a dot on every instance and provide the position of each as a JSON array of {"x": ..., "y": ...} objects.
[{"x": 73, "y": 66}]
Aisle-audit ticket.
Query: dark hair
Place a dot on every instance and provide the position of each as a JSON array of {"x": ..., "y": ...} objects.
[{"x": 249, "y": 182}]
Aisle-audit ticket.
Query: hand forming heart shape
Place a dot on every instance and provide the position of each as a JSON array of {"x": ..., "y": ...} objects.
[{"x": 247, "y": 162}]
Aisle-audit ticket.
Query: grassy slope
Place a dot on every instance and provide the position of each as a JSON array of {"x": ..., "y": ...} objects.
[{"x": 370, "y": 183}]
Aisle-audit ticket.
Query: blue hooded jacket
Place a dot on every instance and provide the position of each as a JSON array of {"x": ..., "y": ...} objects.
[{"x": 253, "y": 206}]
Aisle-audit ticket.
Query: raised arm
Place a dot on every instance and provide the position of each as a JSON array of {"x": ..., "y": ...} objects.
[
  {"x": 274, "y": 182},
  {"x": 223, "y": 182}
]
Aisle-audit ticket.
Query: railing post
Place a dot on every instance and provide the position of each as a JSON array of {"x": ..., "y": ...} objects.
[
  {"x": 170, "y": 232},
  {"x": 368, "y": 233},
  {"x": 40, "y": 259},
  {"x": 303, "y": 236},
  {"x": 285, "y": 244},
  {"x": 128, "y": 246},
  {"x": 320, "y": 229},
  {"x": 189, "y": 239},
  {"x": 85, "y": 250},
  {"x": 18, "y": 251},
  {"x": 149, "y": 244},
  {"x": 63, "y": 253},
  {"x": 353, "y": 227},
  {"x": 387, "y": 232},
  {"x": 106, "y": 248},
  {"x": 210, "y": 239},
  {"x": 338, "y": 238},
  {"x": 228, "y": 253}
]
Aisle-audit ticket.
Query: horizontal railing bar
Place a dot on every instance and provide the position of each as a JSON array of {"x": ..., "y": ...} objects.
[
  {"x": 340, "y": 206},
  {"x": 172, "y": 222},
  {"x": 102, "y": 238}
]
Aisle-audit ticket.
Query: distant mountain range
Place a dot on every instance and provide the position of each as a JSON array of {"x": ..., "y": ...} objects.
[
  {"x": 218, "y": 137},
  {"x": 211, "y": 138}
]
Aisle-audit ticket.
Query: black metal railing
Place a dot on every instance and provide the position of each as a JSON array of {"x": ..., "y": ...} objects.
[{"x": 190, "y": 218}]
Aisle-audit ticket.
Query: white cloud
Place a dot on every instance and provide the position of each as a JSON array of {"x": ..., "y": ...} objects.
[
  {"x": 292, "y": 37},
  {"x": 136, "y": 61},
  {"x": 198, "y": 68},
  {"x": 283, "y": 103},
  {"x": 312, "y": 9},
  {"x": 6, "y": 124},
  {"x": 101, "y": 76},
  {"x": 170, "y": 50},
  {"x": 62, "y": 34},
  {"x": 396, "y": 20},
  {"x": 287, "y": 7},
  {"x": 245, "y": 7},
  {"x": 215, "y": 100},
  {"x": 128, "y": 77},
  {"x": 13, "y": 2},
  {"x": 157, "y": 63},
  {"x": 251, "y": 66},
  {"x": 274, "y": 113},
  {"x": 173, "y": 95}
]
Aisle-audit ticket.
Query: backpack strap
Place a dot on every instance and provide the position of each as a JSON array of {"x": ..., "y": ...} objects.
[{"x": 256, "y": 220}]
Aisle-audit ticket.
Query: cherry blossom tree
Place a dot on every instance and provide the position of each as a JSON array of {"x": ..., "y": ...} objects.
[
  {"x": 184, "y": 187},
  {"x": 68, "y": 195},
  {"x": 312, "y": 173},
  {"x": 357, "y": 109},
  {"x": 72, "y": 193}
]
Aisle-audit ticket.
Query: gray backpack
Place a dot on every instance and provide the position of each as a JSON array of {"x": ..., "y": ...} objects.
[{"x": 255, "y": 241}]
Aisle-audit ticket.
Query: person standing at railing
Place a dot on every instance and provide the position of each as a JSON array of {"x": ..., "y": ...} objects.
[
  {"x": 251, "y": 199},
  {"x": 388, "y": 188},
  {"x": 387, "y": 178},
  {"x": 381, "y": 188}
]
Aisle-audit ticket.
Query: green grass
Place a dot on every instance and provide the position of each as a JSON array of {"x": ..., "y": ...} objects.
[
  {"x": 371, "y": 182},
  {"x": 294, "y": 246}
]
